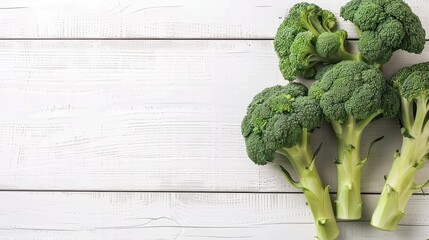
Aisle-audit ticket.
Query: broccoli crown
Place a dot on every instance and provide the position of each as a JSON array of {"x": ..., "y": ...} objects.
[
  {"x": 296, "y": 39},
  {"x": 412, "y": 81},
  {"x": 302, "y": 17},
  {"x": 276, "y": 118},
  {"x": 385, "y": 26},
  {"x": 353, "y": 88},
  {"x": 309, "y": 17}
]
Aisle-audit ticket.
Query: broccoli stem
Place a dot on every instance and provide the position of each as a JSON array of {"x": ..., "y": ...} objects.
[
  {"x": 420, "y": 118},
  {"x": 343, "y": 54},
  {"x": 407, "y": 113},
  {"x": 397, "y": 190},
  {"x": 400, "y": 184},
  {"x": 349, "y": 168},
  {"x": 317, "y": 196},
  {"x": 315, "y": 22},
  {"x": 312, "y": 59}
]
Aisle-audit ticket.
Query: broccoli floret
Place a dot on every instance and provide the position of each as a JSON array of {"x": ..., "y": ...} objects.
[
  {"x": 330, "y": 47},
  {"x": 279, "y": 120},
  {"x": 373, "y": 50},
  {"x": 412, "y": 83},
  {"x": 351, "y": 95},
  {"x": 297, "y": 41},
  {"x": 284, "y": 39},
  {"x": 328, "y": 44},
  {"x": 310, "y": 17},
  {"x": 303, "y": 52},
  {"x": 384, "y": 26}
]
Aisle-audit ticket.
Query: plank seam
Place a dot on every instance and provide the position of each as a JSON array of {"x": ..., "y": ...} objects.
[
  {"x": 154, "y": 39},
  {"x": 166, "y": 191}
]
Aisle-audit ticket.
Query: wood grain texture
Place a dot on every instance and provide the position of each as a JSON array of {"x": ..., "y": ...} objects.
[
  {"x": 157, "y": 18},
  {"x": 149, "y": 115},
  {"x": 106, "y": 216}
]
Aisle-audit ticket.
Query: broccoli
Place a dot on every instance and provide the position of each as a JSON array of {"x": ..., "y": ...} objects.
[
  {"x": 412, "y": 83},
  {"x": 279, "y": 120},
  {"x": 384, "y": 26},
  {"x": 305, "y": 39},
  {"x": 352, "y": 94}
]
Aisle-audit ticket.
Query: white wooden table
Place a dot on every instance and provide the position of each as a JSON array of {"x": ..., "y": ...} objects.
[{"x": 120, "y": 119}]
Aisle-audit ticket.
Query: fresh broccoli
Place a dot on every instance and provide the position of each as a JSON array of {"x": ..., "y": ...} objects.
[
  {"x": 412, "y": 83},
  {"x": 384, "y": 26},
  {"x": 305, "y": 39},
  {"x": 279, "y": 120},
  {"x": 351, "y": 95},
  {"x": 331, "y": 46}
]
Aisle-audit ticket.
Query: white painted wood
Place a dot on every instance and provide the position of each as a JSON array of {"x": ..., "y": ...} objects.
[
  {"x": 161, "y": 116},
  {"x": 157, "y": 18},
  {"x": 107, "y": 216},
  {"x": 148, "y": 115}
]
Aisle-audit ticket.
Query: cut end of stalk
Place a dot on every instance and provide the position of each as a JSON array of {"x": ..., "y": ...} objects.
[
  {"x": 349, "y": 216},
  {"x": 386, "y": 215},
  {"x": 389, "y": 224}
]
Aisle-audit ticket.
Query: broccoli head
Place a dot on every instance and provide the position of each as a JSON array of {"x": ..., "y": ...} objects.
[
  {"x": 278, "y": 120},
  {"x": 412, "y": 83},
  {"x": 352, "y": 94},
  {"x": 384, "y": 26},
  {"x": 310, "y": 17},
  {"x": 354, "y": 89},
  {"x": 305, "y": 38}
]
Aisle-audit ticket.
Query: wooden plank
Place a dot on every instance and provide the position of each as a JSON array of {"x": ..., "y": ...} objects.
[
  {"x": 50, "y": 215},
  {"x": 148, "y": 115},
  {"x": 157, "y": 19}
]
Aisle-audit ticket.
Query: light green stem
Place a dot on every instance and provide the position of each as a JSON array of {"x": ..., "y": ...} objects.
[
  {"x": 317, "y": 196},
  {"x": 349, "y": 168},
  {"x": 343, "y": 54},
  {"x": 400, "y": 183},
  {"x": 397, "y": 190}
]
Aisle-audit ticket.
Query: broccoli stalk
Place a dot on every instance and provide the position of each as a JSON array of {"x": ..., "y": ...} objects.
[
  {"x": 351, "y": 95},
  {"x": 349, "y": 166},
  {"x": 318, "y": 198},
  {"x": 279, "y": 120},
  {"x": 398, "y": 188},
  {"x": 412, "y": 84}
]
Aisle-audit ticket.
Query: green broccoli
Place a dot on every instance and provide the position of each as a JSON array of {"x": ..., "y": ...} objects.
[
  {"x": 384, "y": 26},
  {"x": 279, "y": 120},
  {"x": 412, "y": 83},
  {"x": 305, "y": 39},
  {"x": 351, "y": 95},
  {"x": 331, "y": 46}
]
